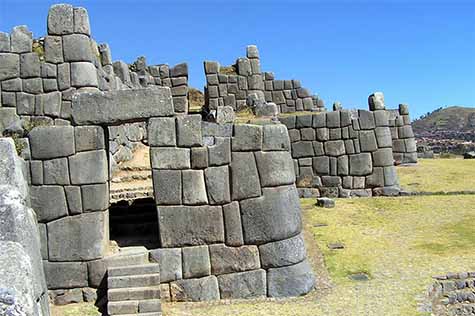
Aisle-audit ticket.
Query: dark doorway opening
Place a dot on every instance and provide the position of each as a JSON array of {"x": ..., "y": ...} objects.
[{"x": 134, "y": 223}]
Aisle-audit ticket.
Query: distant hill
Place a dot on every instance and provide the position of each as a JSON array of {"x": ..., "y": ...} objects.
[{"x": 450, "y": 119}]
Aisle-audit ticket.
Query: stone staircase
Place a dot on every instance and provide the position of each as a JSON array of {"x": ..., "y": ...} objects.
[{"x": 134, "y": 290}]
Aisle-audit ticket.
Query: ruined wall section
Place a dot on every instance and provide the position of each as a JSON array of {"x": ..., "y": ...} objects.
[
  {"x": 230, "y": 86},
  {"x": 404, "y": 141},
  {"x": 229, "y": 214},
  {"x": 343, "y": 153}
]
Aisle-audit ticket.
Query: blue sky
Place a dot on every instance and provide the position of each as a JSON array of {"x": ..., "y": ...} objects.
[{"x": 417, "y": 52}]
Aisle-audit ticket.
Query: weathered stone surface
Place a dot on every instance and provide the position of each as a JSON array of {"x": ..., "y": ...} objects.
[
  {"x": 247, "y": 137},
  {"x": 81, "y": 21},
  {"x": 161, "y": 131},
  {"x": 89, "y": 138},
  {"x": 190, "y": 225},
  {"x": 90, "y": 233},
  {"x": 211, "y": 67},
  {"x": 89, "y": 167},
  {"x": 390, "y": 176},
  {"x": 242, "y": 285},
  {"x": 220, "y": 153},
  {"x": 335, "y": 148},
  {"x": 32, "y": 85},
  {"x": 225, "y": 114},
  {"x": 49, "y": 202},
  {"x": 54, "y": 49},
  {"x": 194, "y": 189},
  {"x": 11, "y": 168},
  {"x": 73, "y": 196},
  {"x": 383, "y": 157},
  {"x": 25, "y": 103},
  {"x": 383, "y": 137},
  {"x": 366, "y": 120},
  {"x": 244, "y": 176},
  {"x": 189, "y": 130},
  {"x": 275, "y": 168},
  {"x": 83, "y": 74},
  {"x": 303, "y": 121},
  {"x": 64, "y": 297},
  {"x": 376, "y": 179},
  {"x": 325, "y": 202},
  {"x": 170, "y": 158},
  {"x": 202, "y": 289},
  {"x": 64, "y": 77},
  {"x": 196, "y": 262},
  {"x": 51, "y": 142},
  {"x": 105, "y": 107},
  {"x": 290, "y": 281},
  {"x": 8, "y": 116},
  {"x": 199, "y": 157},
  {"x": 65, "y": 275},
  {"x": 275, "y": 138},
  {"x": 302, "y": 149},
  {"x": 233, "y": 259},
  {"x": 167, "y": 186},
  {"x": 217, "y": 184},
  {"x": 333, "y": 119},
  {"x": 56, "y": 171},
  {"x": 77, "y": 47},
  {"x": 60, "y": 19},
  {"x": 376, "y": 101},
  {"x": 170, "y": 260},
  {"x": 21, "y": 39},
  {"x": 368, "y": 141},
  {"x": 9, "y": 66},
  {"x": 232, "y": 224},
  {"x": 361, "y": 164},
  {"x": 283, "y": 253},
  {"x": 4, "y": 42},
  {"x": 29, "y": 65},
  {"x": 95, "y": 197},
  {"x": 179, "y": 70},
  {"x": 274, "y": 216}
]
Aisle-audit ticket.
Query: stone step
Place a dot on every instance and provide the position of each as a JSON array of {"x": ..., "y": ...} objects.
[
  {"x": 129, "y": 270},
  {"x": 133, "y": 281},
  {"x": 133, "y": 293},
  {"x": 136, "y": 307}
]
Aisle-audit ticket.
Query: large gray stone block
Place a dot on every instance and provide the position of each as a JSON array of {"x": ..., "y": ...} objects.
[
  {"x": 244, "y": 176},
  {"x": 21, "y": 39},
  {"x": 56, "y": 171},
  {"x": 217, "y": 184},
  {"x": 61, "y": 19},
  {"x": 89, "y": 138},
  {"x": 9, "y": 66},
  {"x": 232, "y": 224},
  {"x": 226, "y": 259},
  {"x": 202, "y": 289},
  {"x": 54, "y": 49},
  {"x": 49, "y": 202},
  {"x": 368, "y": 141},
  {"x": 77, "y": 47},
  {"x": 167, "y": 187},
  {"x": 81, "y": 21},
  {"x": 289, "y": 281},
  {"x": 194, "y": 188},
  {"x": 302, "y": 149},
  {"x": 51, "y": 141},
  {"x": 29, "y": 65},
  {"x": 376, "y": 101},
  {"x": 170, "y": 260},
  {"x": 199, "y": 157},
  {"x": 220, "y": 153},
  {"x": 189, "y": 130},
  {"x": 283, "y": 253},
  {"x": 276, "y": 137},
  {"x": 383, "y": 137},
  {"x": 122, "y": 105},
  {"x": 73, "y": 196},
  {"x": 4, "y": 42},
  {"x": 170, "y": 158},
  {"x": 247, "y": 137},
  {"x": 366, "y": 119},
  {"x": 78, "y": 238},
  {"x": 190, "y": 225},
  {"x": 361, "y": 164},
  {"x": 335, "y": 148},
  {"x": 161, "y": 131},
  {"x": 95, "y": 197},
  {"x": 83, "y": 74},
  {"x": 65, "y": 275},
  {"x": 383, "y": 157},
  {"x": 89, "y": 167},
  {"x": 243, "y": 285},
  {"x": 274, "y": 216},
  {"x": 275, "y": 168},
  {"x": 12, "y": 171},
  {"x": 196, "y": 262}
]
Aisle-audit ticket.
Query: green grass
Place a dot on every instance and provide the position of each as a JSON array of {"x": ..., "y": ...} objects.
[
  {"x": 432, "y": 175},
  {"x": 82, "y": 309}
]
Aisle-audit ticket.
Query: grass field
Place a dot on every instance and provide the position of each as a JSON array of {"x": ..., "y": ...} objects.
[{"x": 432, "y": 175}]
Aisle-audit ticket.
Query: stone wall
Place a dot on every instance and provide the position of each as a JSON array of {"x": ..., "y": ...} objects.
[
  {"x": 404, "y": 142},
  {"x": 452, "y": 294},
  {"x": 23, "y": 288},
  {"x": 230, "y": 86},
  {"x": 342, "y": 153}
]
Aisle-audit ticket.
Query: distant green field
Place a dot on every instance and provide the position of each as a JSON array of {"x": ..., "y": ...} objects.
[{"x": 431, "y": 175}]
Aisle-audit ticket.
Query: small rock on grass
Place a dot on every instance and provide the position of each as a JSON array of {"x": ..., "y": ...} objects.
[{"x": 325, "y": 202}]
